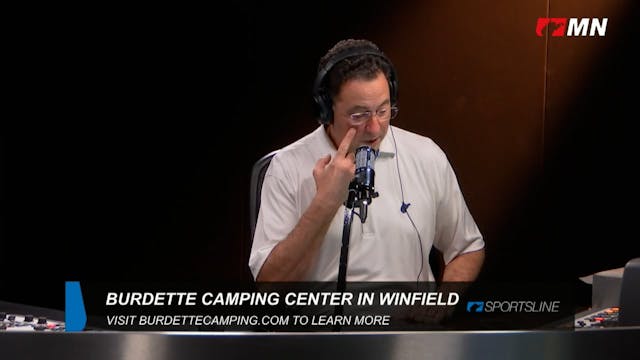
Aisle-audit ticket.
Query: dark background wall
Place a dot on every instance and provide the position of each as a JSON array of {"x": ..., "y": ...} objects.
[{"x": 129, "y": 150}]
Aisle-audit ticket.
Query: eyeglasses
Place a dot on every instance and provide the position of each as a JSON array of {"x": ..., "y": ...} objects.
[{"x": 385, "y": 113}]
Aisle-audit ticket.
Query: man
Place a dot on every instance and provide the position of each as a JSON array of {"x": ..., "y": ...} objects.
[{"x": 299, "y": 230}]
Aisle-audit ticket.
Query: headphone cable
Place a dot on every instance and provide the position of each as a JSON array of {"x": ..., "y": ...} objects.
[{"x": 405, "y": 207}]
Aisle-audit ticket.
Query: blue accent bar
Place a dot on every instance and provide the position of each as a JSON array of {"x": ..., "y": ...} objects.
[{"x": 75, "y": 317}]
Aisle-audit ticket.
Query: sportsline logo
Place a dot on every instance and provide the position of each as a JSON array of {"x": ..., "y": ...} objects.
[
  {"x": 577, "y": 26},
  {"x": 475, "y": 306},
  {"x": 520, "y": 306}
]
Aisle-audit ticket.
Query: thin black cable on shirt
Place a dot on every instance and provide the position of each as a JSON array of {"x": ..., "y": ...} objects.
[{"x": 405, "y": 207}]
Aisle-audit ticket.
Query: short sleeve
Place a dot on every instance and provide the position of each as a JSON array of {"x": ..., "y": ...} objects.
[
  {"x": 277, "y": 216},
  {"x": 456, "y": 231}
]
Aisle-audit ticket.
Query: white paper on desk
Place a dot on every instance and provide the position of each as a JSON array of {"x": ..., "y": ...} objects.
[{"x": 587, "y": 279}]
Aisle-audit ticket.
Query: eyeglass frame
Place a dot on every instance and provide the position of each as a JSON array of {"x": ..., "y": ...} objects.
[{"x": 368, "y": 115}]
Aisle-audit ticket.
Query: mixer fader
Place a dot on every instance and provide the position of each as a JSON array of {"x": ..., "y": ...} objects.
[
  {"x": 28, "y": 322},
  {"x": 20, "y": 317}
]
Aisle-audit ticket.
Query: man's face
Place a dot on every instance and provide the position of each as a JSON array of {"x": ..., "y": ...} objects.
[{"x": 365, "y": 106}]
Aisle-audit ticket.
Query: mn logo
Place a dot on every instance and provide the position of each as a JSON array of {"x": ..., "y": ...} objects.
[
  {"x": 572, "y": 26},
  {"x": 475, "y": 306}
]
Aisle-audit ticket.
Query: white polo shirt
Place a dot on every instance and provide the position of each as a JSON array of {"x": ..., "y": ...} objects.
[{"x": 386, "y": 247}]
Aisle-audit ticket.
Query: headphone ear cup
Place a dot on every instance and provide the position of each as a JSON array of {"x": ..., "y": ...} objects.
[
  {"x": 324, "y": 109},
  {"x": 317, "y": 107},
  {"x": 393, "y": 90},
  {"x": 328, "y": 109}
]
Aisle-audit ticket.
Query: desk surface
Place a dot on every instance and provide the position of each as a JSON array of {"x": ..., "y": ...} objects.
[{"x": 611, "y": 343}]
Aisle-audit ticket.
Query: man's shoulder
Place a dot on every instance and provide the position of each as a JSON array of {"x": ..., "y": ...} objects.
[
  {"x": 301, "y": 145},
  {"x": 300, "y": 151},
  {"x": 416, "y": 143}
]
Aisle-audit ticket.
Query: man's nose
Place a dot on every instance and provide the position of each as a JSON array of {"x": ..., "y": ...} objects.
[{"x": 373, "y": 124}]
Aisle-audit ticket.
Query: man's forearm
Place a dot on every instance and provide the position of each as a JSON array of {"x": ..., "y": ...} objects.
[
  {"x": 464, "y": 268},
  {"x": 292, "y": 258}
]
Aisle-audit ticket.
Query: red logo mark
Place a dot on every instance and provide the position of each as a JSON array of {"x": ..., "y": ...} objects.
[{"x": 557, "y": 26}]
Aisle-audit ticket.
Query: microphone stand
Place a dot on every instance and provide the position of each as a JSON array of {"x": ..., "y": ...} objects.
[
  {"x": 346, "y": 234},
  {"x": 357, "y": 197},
  {"x": 344, "y": 250}
]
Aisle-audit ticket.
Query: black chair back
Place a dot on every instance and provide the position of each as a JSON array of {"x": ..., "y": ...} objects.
[{"x": 257, "y": 177}]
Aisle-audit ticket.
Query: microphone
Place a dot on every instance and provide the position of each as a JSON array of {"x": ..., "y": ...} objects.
[{"x": 363, "y": 183}]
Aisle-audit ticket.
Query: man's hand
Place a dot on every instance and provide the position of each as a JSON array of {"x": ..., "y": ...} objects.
[
  {"x": 291, "y": 259},
  {"x": 333, "y": 176}
]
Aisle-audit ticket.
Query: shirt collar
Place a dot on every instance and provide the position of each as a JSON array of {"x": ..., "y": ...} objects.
[{"x": 387, "y": 148}]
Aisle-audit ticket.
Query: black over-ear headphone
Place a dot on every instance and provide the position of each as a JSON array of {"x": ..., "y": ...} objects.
[{"x": 321, "y": 95}]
